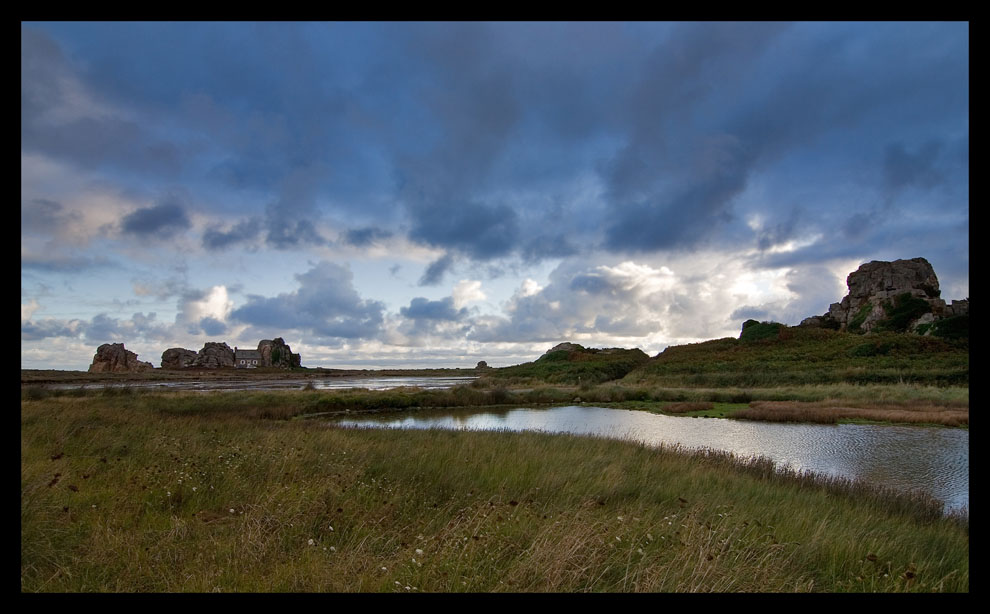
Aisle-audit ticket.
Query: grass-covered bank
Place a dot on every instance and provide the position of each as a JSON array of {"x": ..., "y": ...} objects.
[
  {"x": 904, "y": 403},
  {"x": 135, "y": 493},
  {"x": 791, "y": 356}
]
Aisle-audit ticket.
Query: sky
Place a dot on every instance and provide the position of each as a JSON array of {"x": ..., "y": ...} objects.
[{"x": 424, "y": 194}]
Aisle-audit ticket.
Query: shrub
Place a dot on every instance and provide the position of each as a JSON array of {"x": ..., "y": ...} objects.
[
  {"x": 760, "y": 330},
  {"x": 904, "y": 310},
  {"x": 954, "y": 328}
]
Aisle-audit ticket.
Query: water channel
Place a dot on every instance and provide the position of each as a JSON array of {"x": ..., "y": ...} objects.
[
  {"x": 318, "y": 383},
  {"x": 932, "y": 460}
]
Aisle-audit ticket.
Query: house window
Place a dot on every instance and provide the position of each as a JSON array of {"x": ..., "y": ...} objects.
[{"x": 254, "y": 362}]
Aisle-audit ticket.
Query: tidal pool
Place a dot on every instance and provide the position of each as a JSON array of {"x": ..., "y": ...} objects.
[{"x": 932, "y": 460}]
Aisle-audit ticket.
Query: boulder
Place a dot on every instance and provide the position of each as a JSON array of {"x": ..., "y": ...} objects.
[
  {"x": 214, "y": 356},
  {"x": 898, "y": 295},
  {"x": 178, "y": 358},
  {"x": 276, "y": 353},
  {"x": 113, "y": 358},
  {"x": 482, "y": 365}
]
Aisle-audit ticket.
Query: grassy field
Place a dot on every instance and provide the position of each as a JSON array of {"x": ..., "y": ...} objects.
[{"x": 197, "y": 492}]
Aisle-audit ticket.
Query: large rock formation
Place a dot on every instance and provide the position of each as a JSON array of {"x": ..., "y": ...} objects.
[
  {"x": 276, "y": 353},
  {"x": 178, "y": 358},
  {"x": 902, "y": 294},
  {"x": 113, "y": 358},
  {"x": 214, "y": 355}
]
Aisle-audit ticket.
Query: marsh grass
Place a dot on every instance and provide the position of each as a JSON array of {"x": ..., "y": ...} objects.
[
  {"x": 831, "y": 412},
  {"x": 175, "y": 495}
]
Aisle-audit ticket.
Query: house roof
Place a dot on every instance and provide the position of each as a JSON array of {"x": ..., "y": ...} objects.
[{"x": 247, "y": 354}]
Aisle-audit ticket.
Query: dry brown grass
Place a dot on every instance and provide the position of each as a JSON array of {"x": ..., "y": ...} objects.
[{"x": 830, "y": 412}]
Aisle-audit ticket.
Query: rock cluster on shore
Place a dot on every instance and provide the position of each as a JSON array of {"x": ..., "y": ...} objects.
[
  {"x": 272, "y": 352},
  {"x": 114, "y": 358}
]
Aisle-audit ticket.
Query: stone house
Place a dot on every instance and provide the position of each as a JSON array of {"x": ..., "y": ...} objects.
[{"x": 247, "y": 359}]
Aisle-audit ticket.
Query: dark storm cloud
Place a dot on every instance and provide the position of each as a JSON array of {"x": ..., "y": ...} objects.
[
  {"x": 723, "y": 102},
  {"x": 749, "y": 312},
  {"x": 45, "y": 216},
  {"x": 162, "y": 220},
  {"x": 326, "y": 304},
  {"x": 212, "y": 326},
  {"x": 434, "y": 273},
  {"x": 242, "y": 232},
  {"x": 363, "y": 237},
  {"x": 61, "y": 117},
  {"x": 479, "y": 132},
  {"x": 43, "y": 329},
  {"x": 284, "y": 234},
  {"x": 424, "y": 309},
  {"x": 904, "y": 168}
]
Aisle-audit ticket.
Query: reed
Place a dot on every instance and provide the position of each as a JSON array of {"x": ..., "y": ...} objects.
[{"x": 158, "y": 493}]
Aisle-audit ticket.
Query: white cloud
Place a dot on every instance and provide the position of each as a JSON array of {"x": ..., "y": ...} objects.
[
  {"x": 467, "y": 291},
  {"x": 214, "y": 303},
  {"x": 28, "y": 309}
]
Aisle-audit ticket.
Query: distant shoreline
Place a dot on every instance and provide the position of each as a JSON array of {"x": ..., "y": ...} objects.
[{"x": 52, "y": 376}]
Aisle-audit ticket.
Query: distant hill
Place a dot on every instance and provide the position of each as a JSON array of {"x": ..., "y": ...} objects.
[
  {"x": 772, "y": 354},
  {"x": 570, "y": 363}
]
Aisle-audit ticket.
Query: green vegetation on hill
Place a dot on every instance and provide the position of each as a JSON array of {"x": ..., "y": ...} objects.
[
  {"x": 576, "y": 366},
  {"x": 804, "y": 355}
]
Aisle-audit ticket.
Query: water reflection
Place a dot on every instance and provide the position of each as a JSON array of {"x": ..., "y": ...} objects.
[
  {"x": 934, "y": 460},
  {"x": 325, "y": 383}
]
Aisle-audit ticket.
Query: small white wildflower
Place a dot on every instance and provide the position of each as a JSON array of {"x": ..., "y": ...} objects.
[
  {"x": 94, "y": 506},
  {"x": 311, "y": 542},
  {"x": 618, "y": 539},
  {"x": 194, "y": 489},
  {"x": 168, "y": 493},
  {"x": 620, "y": 518},
  {"x": 649, "y": 537},
  {"x": 384, "y": 568},
  {"x": 397, "y": 583},
  {"x": 231, "y": 510},
  {"x": 330, "y": 527},
  {"x": 419, "y": 551},
  {"x": 332, "y": 549},
  {"x": 639, "y": 550}
]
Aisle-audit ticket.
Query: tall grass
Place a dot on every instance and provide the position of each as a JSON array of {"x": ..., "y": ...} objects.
[{"x": 136, "y": 494}]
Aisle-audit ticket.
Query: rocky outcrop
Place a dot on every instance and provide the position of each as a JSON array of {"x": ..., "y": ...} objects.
[
  {"x": 276, "y": 353},
  {"x": 178, "y": 358},
  {"x": 113, "y": 358},
  {"x": 569, "y": 347},
  {"x": 481, "y": 366},
  {"x": 214, "y": 356},
  {"x": 902, "y": 295}
]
